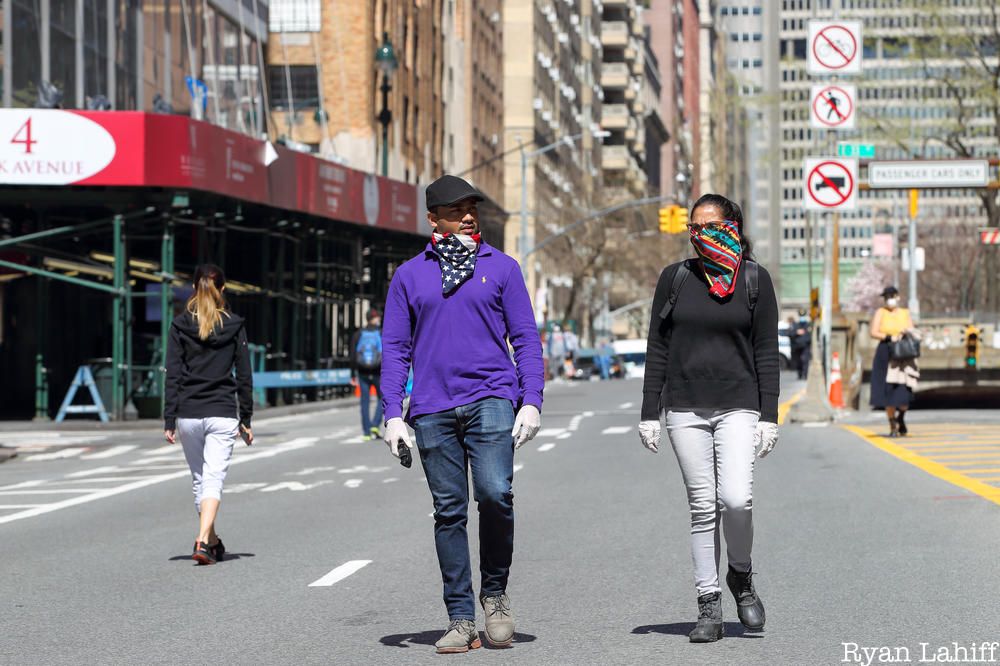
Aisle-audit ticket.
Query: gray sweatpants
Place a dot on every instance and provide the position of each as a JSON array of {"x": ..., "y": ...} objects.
[
  {"x": 715, "y": 450},
  {"x": 208, "y": 446}
]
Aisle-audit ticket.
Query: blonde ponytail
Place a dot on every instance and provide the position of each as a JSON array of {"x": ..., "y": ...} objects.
[{"x": 207, "y": 305}]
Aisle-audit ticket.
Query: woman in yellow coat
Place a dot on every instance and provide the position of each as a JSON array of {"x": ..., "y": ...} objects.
[{"x": 893, "y": 382}]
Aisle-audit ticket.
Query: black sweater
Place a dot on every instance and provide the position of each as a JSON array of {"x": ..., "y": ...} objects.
[
  {"x": 200, "y": 382},
  {"x": 710, "y": 354}
]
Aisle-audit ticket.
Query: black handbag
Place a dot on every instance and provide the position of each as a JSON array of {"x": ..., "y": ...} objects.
[{"x": 904, "y": 349}]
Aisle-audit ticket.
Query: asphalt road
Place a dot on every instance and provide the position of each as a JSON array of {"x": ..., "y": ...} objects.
[{"x": 853, "y": 545}]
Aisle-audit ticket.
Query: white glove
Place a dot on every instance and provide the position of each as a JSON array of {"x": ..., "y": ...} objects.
[
  {"x": 396, "y": 434},
  {"x": 526, "y": 425},
  {"x": 766, "y": 437},
  {"x": 649, "y": 433}
]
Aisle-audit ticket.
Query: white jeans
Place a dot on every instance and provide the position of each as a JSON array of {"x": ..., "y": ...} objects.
[
  {"x": 715, "y": 450},
  {"x": 208, "y": 446}
]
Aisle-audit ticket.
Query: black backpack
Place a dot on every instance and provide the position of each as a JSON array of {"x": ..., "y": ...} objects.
[{"x": 751, "y": 275}]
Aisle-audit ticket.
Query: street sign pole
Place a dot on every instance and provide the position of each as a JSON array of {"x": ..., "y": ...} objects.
[{"x": 914, "y": 303}]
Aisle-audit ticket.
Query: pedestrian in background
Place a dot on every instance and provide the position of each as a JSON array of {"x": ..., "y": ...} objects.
[
  {"x": 205, "y": 404},
  {"x": 712, "y": 377},
  {"x": 557, "y": 350},
  {"x": 366, "y": 366},
  {"x": 802, "y": 345},
  {"x": 450, "y": 312},
  {"x": 893, "y": 381}
]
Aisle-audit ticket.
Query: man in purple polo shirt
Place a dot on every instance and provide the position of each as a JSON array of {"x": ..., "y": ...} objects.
[{"x": 450, "y": 313}]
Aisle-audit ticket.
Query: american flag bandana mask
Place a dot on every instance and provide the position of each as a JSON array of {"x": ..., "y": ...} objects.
[
  {"x": 457, "y": 262},
  {"x": 721, "y": 251}
]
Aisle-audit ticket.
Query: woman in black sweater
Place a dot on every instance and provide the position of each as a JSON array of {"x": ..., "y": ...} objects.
[
  {"x": 712, "y": 378},
  {"x": 205, "y": 404}
]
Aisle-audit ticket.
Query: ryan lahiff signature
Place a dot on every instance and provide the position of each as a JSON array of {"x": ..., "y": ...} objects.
[{"x": 983, "y": 652}]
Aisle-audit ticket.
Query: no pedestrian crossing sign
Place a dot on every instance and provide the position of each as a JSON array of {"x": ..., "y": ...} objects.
[
  {"x": 831, "y": 183},
  {"x": 833, "y": 106},
  {"x": 834, "y": 47}
]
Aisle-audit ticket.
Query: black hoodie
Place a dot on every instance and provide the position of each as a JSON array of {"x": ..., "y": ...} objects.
[{"x": 200, "y": 382}]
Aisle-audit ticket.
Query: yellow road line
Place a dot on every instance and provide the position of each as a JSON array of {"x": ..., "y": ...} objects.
[
  {"x": 983, "y": 471},
  {"x": 786, "y": 406},
  {"x": 960, "y": 456},
  {"x": 945, "y": 449},
  {"x": 955, "y": 477}
]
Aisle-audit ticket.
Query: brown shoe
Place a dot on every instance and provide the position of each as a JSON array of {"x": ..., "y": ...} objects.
[
  {"x": 461, "y": 636},
  {"x": 499, "y": 620}
]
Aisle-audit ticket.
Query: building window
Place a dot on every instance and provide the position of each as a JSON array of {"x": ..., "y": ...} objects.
[
  {"x": 294, "y": 15},
  {"x": 304, "y": 85}
]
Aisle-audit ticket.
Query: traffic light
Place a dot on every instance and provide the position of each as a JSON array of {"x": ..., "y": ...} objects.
[
  {"x": 814, "y": 309},
  {"x": 680, "y": 219},
  {"x": 667, "y": 219},
  {"x": 972, "y": 334}
]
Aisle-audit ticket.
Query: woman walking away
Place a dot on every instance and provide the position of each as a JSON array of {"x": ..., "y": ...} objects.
[
  {"x": 893, "y": 381},
  {"x": 203, "y": 398},
  {"x": 712, "y": 377}
]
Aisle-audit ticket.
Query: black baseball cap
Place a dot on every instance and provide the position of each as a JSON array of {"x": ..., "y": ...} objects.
[{"x": 448, "y": 190}]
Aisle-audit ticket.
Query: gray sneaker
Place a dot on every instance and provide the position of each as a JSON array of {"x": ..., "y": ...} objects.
[
  {"x": 499, "y": 620},
  {"x": 460, "y": 637}
]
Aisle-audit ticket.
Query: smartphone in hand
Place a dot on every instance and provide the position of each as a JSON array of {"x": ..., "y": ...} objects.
[
  {"x": 246, "y": 435},
  {"x": 405, "y": 457}
]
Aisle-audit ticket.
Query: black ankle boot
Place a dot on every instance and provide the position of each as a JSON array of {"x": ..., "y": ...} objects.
[
  {"x": 901, "y": 423},
  {"x": 709, "y": 627},
  {"x": 749, "y": 607}
]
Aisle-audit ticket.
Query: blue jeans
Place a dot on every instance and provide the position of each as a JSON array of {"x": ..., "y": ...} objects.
[
  {"x": 365, "y": 382},
  {"x": 477, "y": 436}
]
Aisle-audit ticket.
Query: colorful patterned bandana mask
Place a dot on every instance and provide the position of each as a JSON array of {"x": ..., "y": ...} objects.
[
  {"x": 721, "y": 251},
  {"x": 457, "y": 262}
]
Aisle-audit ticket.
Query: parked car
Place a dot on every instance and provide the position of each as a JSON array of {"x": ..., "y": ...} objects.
[
  {"x": 585, "y": 365},
  {"x": 632, "y": 353},
  {"x": 784, "y": 346}
]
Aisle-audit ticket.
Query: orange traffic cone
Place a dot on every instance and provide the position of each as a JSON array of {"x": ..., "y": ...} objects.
[
  {"x": 357, "y": 390},
  {"x": 836, "y": 384},
  {"x": 372, "y": 392}
]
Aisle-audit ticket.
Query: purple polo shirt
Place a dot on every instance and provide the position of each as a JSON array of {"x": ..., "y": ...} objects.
[{"x": 457, "y": 344}]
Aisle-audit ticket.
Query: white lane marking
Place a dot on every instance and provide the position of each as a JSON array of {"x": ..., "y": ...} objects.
[
  {"x": 56, "y": 455},
  {"x": 19, "y": 506},
  {"x": 815, "y": 424},
  {"x": 311, "y": 470},
  {"x": 518, "y": 467},
  {"x": 238, "y": 488},
  {"x": 293, "y": 485},
  {"x": 588, "y": 414},
  {"x": 24, "y": 484},
  {"x": 155, "y": 468},
  {"x": 353, "y": 483},
  {"x": 97, "y": 470},
  {"x": 53, "y": 491},
  {"x": 550, "y": 432},
  {"x": 625, "y": 405},
  {"x": 391, "y": 479},
  {"x": 291, "y": 445},
  {"x": 546, "y": 447},
  {"x": 109, "y": 453},
  {"x": 361, "y": 469},
  {"x": 340, "y": 573},
  {"x": 616, "y": 430},
  {"x": 156, "y": 459},
  {"x": 355, "y": 440},
  {"x": 565, "y": 435},
  {"x": 102, "y": 479},
  {"x": 169, "y": 448}
]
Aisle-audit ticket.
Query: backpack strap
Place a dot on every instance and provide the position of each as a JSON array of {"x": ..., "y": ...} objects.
[
  {"x": 675, "y": 289},
  {"x": 752, "y": 277}
]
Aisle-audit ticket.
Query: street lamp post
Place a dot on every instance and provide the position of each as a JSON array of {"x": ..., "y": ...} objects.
[{"x": 385, "y": 60}]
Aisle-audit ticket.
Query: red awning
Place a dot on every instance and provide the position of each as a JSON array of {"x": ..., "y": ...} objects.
[{"x": 137, "y": 149}]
